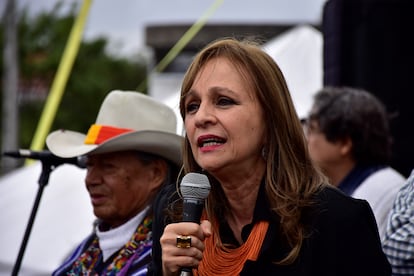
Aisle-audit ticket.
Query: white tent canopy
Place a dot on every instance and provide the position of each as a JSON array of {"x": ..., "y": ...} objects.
[{"x": 298, "y": 52}]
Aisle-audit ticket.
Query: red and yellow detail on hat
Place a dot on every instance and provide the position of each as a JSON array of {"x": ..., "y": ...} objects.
[{"x": 98, "y": 134}]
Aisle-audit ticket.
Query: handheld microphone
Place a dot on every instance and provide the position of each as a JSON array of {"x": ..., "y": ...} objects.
[
  {"x": 194, "y": 188},
  {"x": 47, "y": 156}
]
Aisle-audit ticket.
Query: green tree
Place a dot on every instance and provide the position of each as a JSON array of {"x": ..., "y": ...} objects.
[{"x": 42, "y": 39}]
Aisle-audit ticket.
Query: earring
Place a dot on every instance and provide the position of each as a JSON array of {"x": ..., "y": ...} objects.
[{"x": 264, "y": 152}]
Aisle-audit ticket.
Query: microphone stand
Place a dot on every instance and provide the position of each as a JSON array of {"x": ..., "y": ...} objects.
[{"x": 47, "y": 167}]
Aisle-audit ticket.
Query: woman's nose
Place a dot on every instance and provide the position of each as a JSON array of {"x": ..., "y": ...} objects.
[{"x": 205, "y": 115}]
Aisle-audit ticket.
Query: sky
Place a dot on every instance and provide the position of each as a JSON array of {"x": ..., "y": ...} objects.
[{"x": 123, "y": 22}]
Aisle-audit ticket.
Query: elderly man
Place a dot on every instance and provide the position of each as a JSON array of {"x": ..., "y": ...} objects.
[{"x": 131, "y": 151}]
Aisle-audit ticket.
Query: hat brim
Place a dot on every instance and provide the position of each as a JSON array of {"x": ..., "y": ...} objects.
[{"x": 67, "y": 144}]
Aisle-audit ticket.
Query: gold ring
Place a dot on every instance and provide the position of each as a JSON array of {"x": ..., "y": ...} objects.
[{"x": 183, "y": 241}]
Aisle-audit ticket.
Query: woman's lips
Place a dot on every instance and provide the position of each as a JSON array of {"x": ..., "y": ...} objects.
[{"x": 210, "y": 142}]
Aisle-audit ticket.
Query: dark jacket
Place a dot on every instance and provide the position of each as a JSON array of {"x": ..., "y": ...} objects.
[{"x": 343, "y": 241}]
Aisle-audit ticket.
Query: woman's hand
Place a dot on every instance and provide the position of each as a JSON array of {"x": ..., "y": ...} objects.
[{"x": 175, "y": 258}]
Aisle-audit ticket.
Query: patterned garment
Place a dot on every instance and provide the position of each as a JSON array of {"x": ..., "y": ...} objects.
[
  {"x": 132, "y": 259},
  {"x": 399, "y": 240}
]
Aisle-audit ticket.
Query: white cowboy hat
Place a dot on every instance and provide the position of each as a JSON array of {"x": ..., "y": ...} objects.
[{"x": 127, "y": 120}]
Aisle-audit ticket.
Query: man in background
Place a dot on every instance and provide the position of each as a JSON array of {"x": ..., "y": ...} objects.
[{"x": 349, "y": 138}]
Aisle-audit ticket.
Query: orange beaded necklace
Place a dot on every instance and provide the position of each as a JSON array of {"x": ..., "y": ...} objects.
[{"x": 218, "y": 260}]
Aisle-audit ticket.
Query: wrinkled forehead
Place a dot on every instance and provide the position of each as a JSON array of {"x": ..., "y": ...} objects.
[{"x": 233, "y": 65}]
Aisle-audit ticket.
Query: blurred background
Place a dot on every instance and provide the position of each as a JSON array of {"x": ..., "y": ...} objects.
[
  {"x": 61, "y": 57},
  {"x": 121, "y": 45}
]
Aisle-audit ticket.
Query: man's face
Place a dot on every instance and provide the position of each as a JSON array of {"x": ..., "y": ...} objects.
[{"x": 120, "y": 185}]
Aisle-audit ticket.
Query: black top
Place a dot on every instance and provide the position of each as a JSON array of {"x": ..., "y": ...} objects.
[{"x": 343, "y": 239}]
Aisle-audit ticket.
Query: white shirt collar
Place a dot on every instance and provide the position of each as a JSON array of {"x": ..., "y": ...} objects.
[{"x": 114, "y": 239}]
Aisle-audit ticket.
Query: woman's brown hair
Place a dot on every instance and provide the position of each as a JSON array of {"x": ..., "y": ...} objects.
[{"x": 291, "y": 179}]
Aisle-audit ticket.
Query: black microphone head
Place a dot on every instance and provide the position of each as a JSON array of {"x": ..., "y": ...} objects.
[
  {"x": 81, "y": 161},
  {"x": 11, "y": 154},
  {"x": 195, "y": 185}
]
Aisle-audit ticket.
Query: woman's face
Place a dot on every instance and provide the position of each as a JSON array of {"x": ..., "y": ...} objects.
[{"x": 224, "y": 121}]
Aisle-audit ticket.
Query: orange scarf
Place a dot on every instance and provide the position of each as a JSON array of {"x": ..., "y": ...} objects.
[{"x": 218, "y": 260}]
